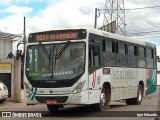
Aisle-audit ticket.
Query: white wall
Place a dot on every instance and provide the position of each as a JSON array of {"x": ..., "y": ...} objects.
[{"x": 5, "y": 48}]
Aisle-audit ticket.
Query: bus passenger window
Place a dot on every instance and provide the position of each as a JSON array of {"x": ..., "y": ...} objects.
[{"x": 94, "y": 56}]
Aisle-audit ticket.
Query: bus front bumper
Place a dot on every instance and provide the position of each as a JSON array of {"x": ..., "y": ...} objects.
[{"x": 77, "y": 98}]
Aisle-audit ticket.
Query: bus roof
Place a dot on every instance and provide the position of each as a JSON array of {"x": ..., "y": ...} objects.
[{"x": 109, "y": 35}]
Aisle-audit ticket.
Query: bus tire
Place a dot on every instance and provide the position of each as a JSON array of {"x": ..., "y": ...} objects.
[
  {"x": 104, "y": 103},
  {"x": 53, "y": 108},
  {"x": 2, "y": 100},
  {"x": 137, "y": 100}
]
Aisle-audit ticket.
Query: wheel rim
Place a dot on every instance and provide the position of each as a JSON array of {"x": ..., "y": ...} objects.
[
  {"x": 103, "y": 99},
  {"x": 140, "y": 95}
]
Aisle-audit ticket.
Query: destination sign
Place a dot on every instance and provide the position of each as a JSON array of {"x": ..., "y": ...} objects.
[{"x": 57, "y": 35}]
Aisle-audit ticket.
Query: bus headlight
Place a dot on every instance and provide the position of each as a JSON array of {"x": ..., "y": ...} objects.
[
  {"x": 28, "y": 89},
  {"x": 79, "y": 87}
]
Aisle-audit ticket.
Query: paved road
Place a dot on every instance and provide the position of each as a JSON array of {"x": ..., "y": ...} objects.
[{"x": 118, "y": 109}]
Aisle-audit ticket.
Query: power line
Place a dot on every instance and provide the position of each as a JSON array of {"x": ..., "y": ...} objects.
[
  {"x": 141, "y": 8},
  {"x": 146, "y": 32},
  {"x": 149, "y": 34},
  {"x": 144, "y": 29},
  {"x": 146, "y": 36}
]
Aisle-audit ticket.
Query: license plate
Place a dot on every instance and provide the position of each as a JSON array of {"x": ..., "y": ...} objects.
[{"x": 51, "y": 102}]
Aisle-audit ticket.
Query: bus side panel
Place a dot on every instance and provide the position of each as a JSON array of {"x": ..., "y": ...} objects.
[
  {"x": 119, "y": 83},
  {"x": 95, "y": 85},
  {"x": 136, "y": 75},
  {"x": 124, "y": 82}
]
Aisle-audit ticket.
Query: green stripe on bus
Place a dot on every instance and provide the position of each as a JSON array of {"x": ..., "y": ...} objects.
[
  {"x": 151, "y": 82},
  {"x": 33, "y": 93},
  {"x": 32, "y": 97}
]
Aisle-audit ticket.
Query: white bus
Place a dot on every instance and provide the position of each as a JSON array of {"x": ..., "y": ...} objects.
[{"x": 87, "y": 66}]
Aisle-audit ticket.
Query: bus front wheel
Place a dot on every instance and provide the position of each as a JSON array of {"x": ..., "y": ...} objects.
[
  {"x": 104, "y": 103},
  {"x": 137, "y": 100},
  {"x": 2, "y": 100},
  {"x": 53, "y": 108}
]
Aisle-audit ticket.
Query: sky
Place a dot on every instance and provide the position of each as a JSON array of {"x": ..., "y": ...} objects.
[{"x": 53, "y": 14}]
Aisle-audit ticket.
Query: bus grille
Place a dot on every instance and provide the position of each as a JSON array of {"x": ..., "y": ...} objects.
[{"x": 59, "y": 99}]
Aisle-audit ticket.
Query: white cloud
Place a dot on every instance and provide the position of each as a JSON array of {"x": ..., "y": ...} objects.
[
  {"x": 28, "y": 1},
  {"x": 65, "y": 13},
  {"x": 12, "y": 24},
  {"x": 76, "y": 13},
  {"x": 6, "y": 2},
  {"x": 18, "y": 10},
  {"x": 68, "y": 13}
]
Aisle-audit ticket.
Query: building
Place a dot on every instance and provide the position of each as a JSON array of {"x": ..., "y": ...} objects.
[{"x": 8, "y": 43}]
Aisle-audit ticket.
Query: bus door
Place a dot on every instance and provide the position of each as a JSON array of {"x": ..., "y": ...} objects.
[{"x": 94, "y": 69}]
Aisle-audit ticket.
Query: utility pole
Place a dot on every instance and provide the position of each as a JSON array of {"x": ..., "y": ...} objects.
[
  {"x": 16, "y": 80},
  {"x": 24, "y": 37},
  {"x": 96, "y": 16},
  {"x": 95, "y": 24}
]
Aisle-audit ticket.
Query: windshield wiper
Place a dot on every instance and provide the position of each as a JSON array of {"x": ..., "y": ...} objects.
[
  {"x": 61, "y": 51},
  {"x": 45, "y": 51}
]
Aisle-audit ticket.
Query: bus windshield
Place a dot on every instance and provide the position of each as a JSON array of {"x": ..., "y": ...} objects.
[{"x": 55, "y": 61}]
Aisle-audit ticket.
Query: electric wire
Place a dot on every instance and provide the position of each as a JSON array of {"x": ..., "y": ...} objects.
[{"x": 140, "y": 8}]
